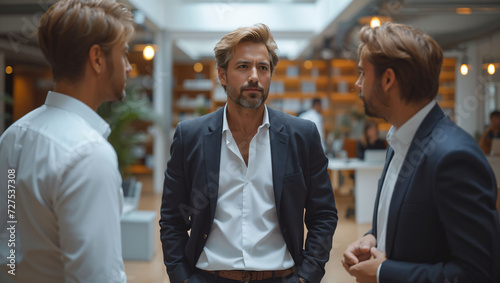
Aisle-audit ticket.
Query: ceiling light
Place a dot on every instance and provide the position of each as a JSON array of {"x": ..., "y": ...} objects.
[
  {"x": 8, "y": 70},
  {"x": 374, "y": 22},
  {"x": 198, "y": 67},
  {"x": 148, "y": 53},
  {"x": 308, "y": 64},
  {"x": 491, "y": 68},
  {"x": 464, "y": 69}
]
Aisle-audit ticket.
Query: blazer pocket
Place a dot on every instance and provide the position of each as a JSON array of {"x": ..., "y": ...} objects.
[{"x": 415, "y": 207}]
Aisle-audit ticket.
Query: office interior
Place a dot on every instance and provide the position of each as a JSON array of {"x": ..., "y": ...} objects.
[{"x": 174, "y": 79}]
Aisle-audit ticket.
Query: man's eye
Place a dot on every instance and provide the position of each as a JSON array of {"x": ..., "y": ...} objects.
[
  {"x": 265, "y": 68},
  {"x": 242, "y": 66}
]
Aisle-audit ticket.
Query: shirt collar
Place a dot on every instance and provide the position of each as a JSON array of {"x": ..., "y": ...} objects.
[
  {"x": 265, "y": 120},
  {"x": 401, "y": 138},
  {"x": 73, "y": 105}
]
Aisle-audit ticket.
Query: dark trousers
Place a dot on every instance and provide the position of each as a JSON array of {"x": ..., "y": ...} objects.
[{"x": 200, "y": 276}]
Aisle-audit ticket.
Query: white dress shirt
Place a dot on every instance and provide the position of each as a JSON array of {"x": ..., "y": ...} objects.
[
  {"x": 245, "y": 233},
  {"x": 68, "y": 194},
  {"x": 400, "y": 141}
]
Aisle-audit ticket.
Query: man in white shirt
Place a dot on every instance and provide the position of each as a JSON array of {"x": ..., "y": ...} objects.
[
  {"x": 62, "y": 172},
  {"x": 435, "y": 218},
  {"x": 314, "y": 115},
  {"x": 241, "y": 178}
]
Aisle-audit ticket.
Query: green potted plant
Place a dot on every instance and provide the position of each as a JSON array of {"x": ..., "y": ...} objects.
[{"x": 120, "y": 115}]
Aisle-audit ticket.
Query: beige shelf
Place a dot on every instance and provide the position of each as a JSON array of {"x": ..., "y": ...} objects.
[
  {"x": 344, "y": 97},
  {"x": 347, "y": 79},
  {"x": 344, "y": 63},
  {"x": 446, "y": 90},
  {"x": 448, "y": 76}
]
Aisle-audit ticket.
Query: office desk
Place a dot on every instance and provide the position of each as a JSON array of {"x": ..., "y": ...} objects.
[{"x": 366, "y": 178}]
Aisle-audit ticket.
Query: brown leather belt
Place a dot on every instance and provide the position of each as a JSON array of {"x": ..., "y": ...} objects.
[{"x": 247, "y": 276}]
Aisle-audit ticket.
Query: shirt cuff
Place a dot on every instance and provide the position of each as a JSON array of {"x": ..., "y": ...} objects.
[{"x": 378, "y": 272}]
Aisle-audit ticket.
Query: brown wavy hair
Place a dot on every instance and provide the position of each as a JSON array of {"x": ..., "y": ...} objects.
[
  {"x": 70, "y": 27},
  {"x": 258, "y": 33},
  {"x": 414, "y": 57}
]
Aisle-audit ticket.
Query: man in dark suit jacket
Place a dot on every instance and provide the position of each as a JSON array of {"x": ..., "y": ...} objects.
[
  {"x": 435, "y": 218},
  {"x": 240, "y": 179}
]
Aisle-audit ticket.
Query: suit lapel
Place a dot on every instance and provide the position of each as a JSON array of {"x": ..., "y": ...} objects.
[
  {"x": 412, "y": 161},
  {"x": 211, "y": 151},
  {"x": 279, "y": 153}
]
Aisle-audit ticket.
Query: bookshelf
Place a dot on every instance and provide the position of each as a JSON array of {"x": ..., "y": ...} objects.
[
  {"x": 446, "y": 93},
  {"x": 192, "y": 93},
  {"x": 293, "y": 86}
]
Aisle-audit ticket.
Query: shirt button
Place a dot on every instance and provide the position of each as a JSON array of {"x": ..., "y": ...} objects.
[{"x": 205, "y": 236}]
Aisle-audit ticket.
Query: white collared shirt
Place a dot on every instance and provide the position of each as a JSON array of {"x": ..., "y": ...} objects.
[
  {"x": 68, "y": 195},
  {"x": 400, "y": 141},
  {"x": 245, "y": 233}
]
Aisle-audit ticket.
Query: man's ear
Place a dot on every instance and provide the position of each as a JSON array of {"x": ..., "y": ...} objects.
[
  {"x": 388, "y": 79},
  {"x": 97, "y": 59},
  {"x": 222, "y": 76}
]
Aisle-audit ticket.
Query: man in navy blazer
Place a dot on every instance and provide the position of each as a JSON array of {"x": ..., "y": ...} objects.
[
  {"x": 435, "y": 218},
  {"x": 241, "y": 178}
]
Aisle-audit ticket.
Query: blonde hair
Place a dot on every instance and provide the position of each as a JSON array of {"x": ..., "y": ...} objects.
[
  {"x": 70, "y": 27},
  {"x": 258, "y": 33},
  {"x": 414, "y": 57}
]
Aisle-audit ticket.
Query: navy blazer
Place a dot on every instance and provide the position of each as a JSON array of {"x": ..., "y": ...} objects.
[
  {"x": 442, "y": 222},
  {"x": 300, "y": 180}
]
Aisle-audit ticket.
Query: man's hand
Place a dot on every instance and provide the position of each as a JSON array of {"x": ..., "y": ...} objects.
[
  {"x": 366, "y": 271},
  {"x": 302, "y": 280},
  {"x": 358, "y": 251}
]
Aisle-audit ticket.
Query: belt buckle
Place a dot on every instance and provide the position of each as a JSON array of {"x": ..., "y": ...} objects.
[{"x": 246, "y": 276}]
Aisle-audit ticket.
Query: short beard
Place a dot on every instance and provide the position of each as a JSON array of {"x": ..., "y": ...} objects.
[
  {"x": 254, "y": 101},
  {"x": 118, "y": 95},
  {"x": 370, "y": 110}
]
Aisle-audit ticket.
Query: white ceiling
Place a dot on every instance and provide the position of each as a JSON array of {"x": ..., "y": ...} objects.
[
  {"x": 196, "y": 26},
  {"x": 302, "y": 28}
]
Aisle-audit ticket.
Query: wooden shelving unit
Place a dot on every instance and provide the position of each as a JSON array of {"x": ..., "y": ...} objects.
[
  {"x": 344, "y": 97},
  {"x": 446, "y": 92},
  {"x": 295, "y": 83},
  {"x": 193, "y": 91}
]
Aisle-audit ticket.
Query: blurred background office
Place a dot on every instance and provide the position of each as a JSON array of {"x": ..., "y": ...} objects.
[{"x": 174, "y": 79}]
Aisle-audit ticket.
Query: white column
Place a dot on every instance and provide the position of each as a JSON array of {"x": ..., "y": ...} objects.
[
  {"x": 162, "y": 100},
  {"x": 469, "y": 98},
  {"x": 2, "y": 92}
]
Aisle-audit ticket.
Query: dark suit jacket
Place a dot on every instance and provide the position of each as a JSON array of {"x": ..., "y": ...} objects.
[
  {"x": 300, "y": 180},
  {"x": 443, "y": 224}
]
